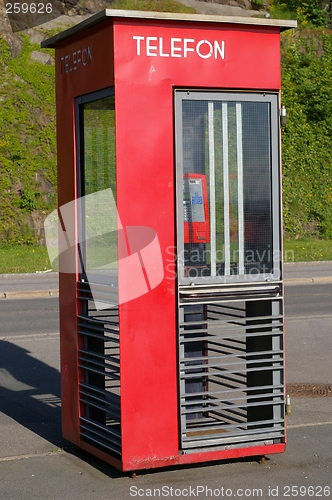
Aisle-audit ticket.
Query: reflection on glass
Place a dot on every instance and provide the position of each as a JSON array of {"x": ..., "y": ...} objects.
[{"x": 99, "y": 175}]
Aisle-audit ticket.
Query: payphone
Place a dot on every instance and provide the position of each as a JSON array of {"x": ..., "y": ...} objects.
[
  {"x": 172, "y": 340},
  {"x": 195, "y": 209}
]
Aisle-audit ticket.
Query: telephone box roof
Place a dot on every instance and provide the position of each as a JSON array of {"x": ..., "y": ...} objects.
[{"x": 165, "y": 16}]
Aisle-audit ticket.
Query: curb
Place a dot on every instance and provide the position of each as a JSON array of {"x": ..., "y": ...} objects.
[
  {"x": 29, "y": 294},
  {"x": 39, "y": 274}
]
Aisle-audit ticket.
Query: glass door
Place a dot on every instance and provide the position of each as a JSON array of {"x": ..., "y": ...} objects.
[
  {"x": 230, "y": 305},
  {"x": 227, "y": 161}
]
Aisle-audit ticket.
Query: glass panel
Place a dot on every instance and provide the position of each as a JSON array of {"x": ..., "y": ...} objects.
[
  {"x": 257, "y": 187},
  {"x": 99, "y": 185},
  {"x": 99, "y": 145},
  {"x": 226, "y": 188}
]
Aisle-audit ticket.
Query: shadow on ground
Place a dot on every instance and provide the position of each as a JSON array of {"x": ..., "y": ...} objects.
[{"x": 30, "y": 392}]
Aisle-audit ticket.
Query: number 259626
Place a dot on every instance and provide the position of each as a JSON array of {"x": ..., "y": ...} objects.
[{"x": 25, "y": 8}]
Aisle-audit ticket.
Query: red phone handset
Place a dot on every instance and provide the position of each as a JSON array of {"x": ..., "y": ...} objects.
[{"x": 195, "y": 209}]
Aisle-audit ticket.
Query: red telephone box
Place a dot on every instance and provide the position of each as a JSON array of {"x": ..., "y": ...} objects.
[{"x": 171, "y": 285}]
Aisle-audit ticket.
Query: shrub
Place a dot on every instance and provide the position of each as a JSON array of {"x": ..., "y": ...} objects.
[
  {"x": 28, "y": 201},
  {"x": 306, "y": 142},
  {"x": 307, "y": 12}
]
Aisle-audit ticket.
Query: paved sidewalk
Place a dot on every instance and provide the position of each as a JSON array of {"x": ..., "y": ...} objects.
[
  {"x": 31, "y": 285},
  {"x": 308, "y": 272}
]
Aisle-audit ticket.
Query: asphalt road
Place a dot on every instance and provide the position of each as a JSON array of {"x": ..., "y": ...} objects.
[
  {"x": 308, "y": 333},
  {"x": 29, "y": 316},
  {"x": 308, "y": 300},
  {"x": 35, "y": 461}
]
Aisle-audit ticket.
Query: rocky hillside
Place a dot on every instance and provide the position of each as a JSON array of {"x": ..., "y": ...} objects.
[
  {"x": 27, "y": 113},
  {"x": 11, "y": 27},
  {"x": 28, "y": 181}
]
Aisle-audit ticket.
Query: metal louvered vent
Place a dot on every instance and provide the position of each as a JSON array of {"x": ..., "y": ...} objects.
[
  {"x": 231, "y": 373},
  {"x": 99, "y": 364}
]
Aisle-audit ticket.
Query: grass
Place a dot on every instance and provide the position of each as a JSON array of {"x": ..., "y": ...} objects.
[
  {"x": 277, "y": 12},
  {"x": 27, "y": 133},
  {"x": 280, "y": 11},
  {"x": 30, "y": 258},
  {"x": 307, "y": 249},
  {"x": 23, "y": 259},
  {"x": 153, "y": 5}
]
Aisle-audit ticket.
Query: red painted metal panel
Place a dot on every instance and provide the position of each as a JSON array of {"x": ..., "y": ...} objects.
[
  {"x": 207, "y": 456},
  {"x": 148, "y": 359},
  {"x": 150, "y": 60},
  {"x": 186, "y": 459},
  {"x": 191, "y": 55},
  {"x": 94, "y": 48},
  {"x": 102, "y": 455},
  {"x": 84, "y": 63}
]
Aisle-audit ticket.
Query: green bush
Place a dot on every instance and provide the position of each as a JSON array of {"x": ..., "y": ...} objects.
[
  {"x": 28, "y": 201},
  {"x": 306, "y": 12},
  {"x": 306, "y": 142},
  {"x": 27, "y": 140},
  {"x": 257, "y": 3}
]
